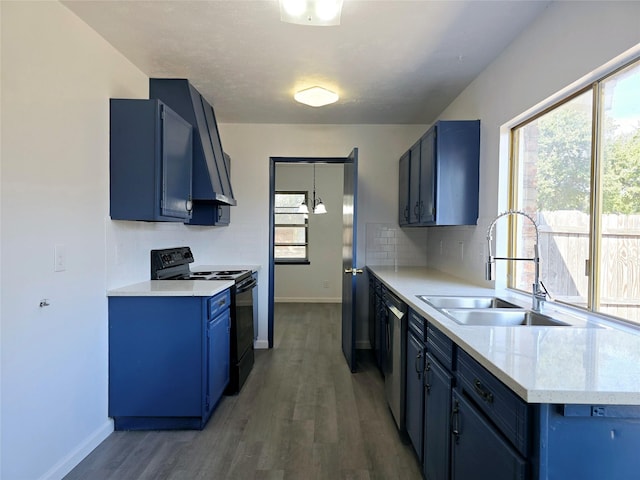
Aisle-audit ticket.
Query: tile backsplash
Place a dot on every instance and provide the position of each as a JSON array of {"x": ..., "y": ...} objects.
[{"x": 390, "y": 245}]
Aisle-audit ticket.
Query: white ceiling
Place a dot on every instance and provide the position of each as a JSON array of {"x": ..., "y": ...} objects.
[{"x": 392, "y": 62}]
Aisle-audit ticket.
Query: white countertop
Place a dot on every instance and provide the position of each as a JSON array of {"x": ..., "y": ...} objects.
[
  {"x": 572, "y": 364},
  {"x": 181, "y": 288},
  {"x": 172, "y": 288}
]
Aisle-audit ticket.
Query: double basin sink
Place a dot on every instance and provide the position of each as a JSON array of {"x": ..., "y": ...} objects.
[{"x": 489, "y": 311}]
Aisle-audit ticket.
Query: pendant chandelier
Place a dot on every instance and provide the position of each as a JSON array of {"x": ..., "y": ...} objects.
[{"x": 317, "y": 205}]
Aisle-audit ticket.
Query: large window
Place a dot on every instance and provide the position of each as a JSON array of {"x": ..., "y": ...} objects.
[
  {"x": 576, "y": 170},
  {"x": 291, "y": 228}
]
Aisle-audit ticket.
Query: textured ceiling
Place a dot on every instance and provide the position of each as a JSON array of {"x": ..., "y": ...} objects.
[{"x": 392, "y": 62}]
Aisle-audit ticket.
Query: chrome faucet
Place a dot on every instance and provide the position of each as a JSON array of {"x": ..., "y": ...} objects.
[{"x": 538, "y": 294}]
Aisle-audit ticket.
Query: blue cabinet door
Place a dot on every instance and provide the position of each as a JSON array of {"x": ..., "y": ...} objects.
[
  {"x": 428, "y": 175},
  {"x": 177, "y": 145},
  {"x": 150, "y": 162},
  {"x": 403, "y": 190},
  {"x": 415, "y": 392},
  {"x": 456, "y": 171},
  {"x": 414, "y": 184},
  {"x": 217, "y": 361},
  {"x": 478, "y": 450},
  {"x": 438, "y": 383}
]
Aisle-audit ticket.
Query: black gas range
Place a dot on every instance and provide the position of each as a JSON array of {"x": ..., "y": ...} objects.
[{"x": 173, "y": 264}]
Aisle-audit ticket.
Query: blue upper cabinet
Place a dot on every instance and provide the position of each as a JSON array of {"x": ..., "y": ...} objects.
[
  {"x": 211, "y": 176},
  {"x": 150, "y": 162},
  {"x": 443, "y": 176}
]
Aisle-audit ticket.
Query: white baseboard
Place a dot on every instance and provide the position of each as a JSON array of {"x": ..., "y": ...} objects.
[
  {"x": 261, "y": 344},
  {"x": 308, "y": 300},
  {"x": 66, "y": 464}
]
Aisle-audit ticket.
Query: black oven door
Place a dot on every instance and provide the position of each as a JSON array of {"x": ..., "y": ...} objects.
[
  {"x": 244, "y": 314},
  {"x": 241, "y": 334}
]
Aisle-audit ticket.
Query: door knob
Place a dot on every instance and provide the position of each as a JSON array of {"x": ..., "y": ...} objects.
[{"x": 353, "y": 271}]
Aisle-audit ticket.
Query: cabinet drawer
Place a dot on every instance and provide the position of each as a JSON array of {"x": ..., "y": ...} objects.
[
  {"x": 416, "y": 325},
  {"x": 217, "y": 304},
  {"x": 441, "y": 347},
  {"x": 503, "y": 407}
]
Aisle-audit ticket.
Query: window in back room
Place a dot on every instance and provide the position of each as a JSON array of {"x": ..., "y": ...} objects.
[{"x": 291, "y": 228}]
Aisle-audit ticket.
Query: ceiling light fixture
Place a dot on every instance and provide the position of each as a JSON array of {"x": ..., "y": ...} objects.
[
  {"x": 316, "y": 96},
  {"x": 319, "y": 13},
  {"x": 317, "y": 206}
]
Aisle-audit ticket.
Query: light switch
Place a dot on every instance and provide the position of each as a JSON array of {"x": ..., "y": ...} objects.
[{"x": 60, "y": 258}]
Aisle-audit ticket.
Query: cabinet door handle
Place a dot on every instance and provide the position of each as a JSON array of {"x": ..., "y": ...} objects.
[
  {"x": 455, "y": 421},
  {"x": 421, "y": 209},
  {"x": 406, "y": 213},
  {"x": 388, "y": 336},
  {"x": 485, "y": 394},
  {"x": 427, "y": 369},
  {"x": 416, "y": 211},
  {"x": 418, "y": 357}
]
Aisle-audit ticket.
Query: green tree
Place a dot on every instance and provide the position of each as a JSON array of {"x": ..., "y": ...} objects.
[
  {"x": 621, "y": 173},
  {"x": 564, "y": 159}
]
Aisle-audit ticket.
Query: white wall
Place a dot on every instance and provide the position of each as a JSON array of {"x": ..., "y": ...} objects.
[
  {"x": 321, "y": 279},
  {"x": 57, "y": 77},
  {"x": 569, "y": 41}
]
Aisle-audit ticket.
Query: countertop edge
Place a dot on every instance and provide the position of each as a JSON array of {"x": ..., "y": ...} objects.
[{"x": 172, "y": 288}]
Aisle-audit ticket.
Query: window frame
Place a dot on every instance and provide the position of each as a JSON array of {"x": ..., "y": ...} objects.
[
  {"x": 291, "y": 261},
  {"x": 592, "y": 269}
]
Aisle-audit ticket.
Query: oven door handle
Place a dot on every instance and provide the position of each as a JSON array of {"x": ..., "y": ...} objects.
[{"x": 243, "y": 287}]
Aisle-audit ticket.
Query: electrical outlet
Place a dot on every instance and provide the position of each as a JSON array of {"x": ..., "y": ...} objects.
[
  {"x": 325, "y": 284},
  {"x": 60, "y": 258},
  {"x": 461, "y": 245},
  {"x": 598, "y": 412}
]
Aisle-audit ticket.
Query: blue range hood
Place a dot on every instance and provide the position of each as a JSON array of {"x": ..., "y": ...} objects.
[{"x": 211, "y": 176}]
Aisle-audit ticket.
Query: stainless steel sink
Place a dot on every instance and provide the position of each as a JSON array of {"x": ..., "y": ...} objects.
[
  {"x": 466, "y": 302},
  {"x": 502, "y": 317}
]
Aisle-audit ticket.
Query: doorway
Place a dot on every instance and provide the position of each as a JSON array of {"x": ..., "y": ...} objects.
[{"x": 304, "y": 163}]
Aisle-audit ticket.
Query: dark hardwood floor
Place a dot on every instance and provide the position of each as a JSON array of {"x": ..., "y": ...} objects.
[{"x": 301, "y": 415}]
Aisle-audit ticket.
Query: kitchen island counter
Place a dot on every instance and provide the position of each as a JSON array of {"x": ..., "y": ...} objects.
[{"x": 592, "y": 362}]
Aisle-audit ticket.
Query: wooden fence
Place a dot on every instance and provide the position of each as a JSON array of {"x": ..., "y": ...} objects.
[{"x": 564, "y": 249}]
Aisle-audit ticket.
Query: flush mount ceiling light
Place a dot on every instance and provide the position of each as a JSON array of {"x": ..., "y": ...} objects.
[
  {"x": 319, "y": 13},
  {"x": 316, "y": 97}
]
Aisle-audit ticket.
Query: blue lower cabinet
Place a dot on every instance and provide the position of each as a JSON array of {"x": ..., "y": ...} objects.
[
  {"x": 414, "y": 398},
  {"x": 438, "y": 383},
  {"x": 218, "y": 356},
  {"x": 478, "y": 449},
  {"x": 168, "y": 360}
]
